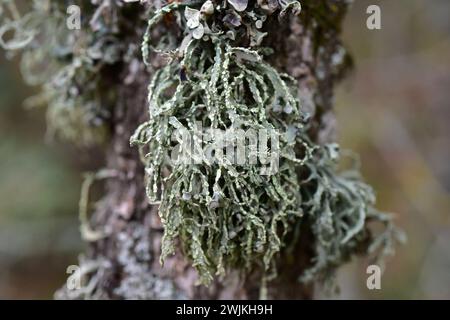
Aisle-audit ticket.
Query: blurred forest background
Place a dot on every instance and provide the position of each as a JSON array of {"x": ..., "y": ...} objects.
[{"x": 393, "y": 110}]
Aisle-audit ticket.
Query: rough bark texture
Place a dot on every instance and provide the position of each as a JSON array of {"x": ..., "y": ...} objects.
[{"x": 126, "y": 262}]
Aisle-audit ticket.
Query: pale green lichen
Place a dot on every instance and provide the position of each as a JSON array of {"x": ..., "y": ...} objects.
[
  {"x": 227, "y": 216},
  {"x": 67, "y": 64}
]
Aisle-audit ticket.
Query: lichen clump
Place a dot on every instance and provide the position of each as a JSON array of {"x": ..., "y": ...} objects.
[
  {"x": 224, "y": 215},
  {"x": 69, "y": 65}
]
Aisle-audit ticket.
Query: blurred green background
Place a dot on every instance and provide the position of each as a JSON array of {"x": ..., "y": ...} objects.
[
  {"x": 39, "y": 185},
  {"x": 393, "y": 110}
]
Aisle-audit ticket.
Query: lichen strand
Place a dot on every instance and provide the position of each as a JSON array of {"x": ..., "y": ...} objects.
[
  {"x": 75, "y": 68},
  {"x": 233, "y": 217}
]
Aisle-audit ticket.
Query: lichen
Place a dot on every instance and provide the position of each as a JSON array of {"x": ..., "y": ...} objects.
[
  {"x": 227, "y": 216},
  {"x": 133, "y": 261},
  {"x": 69, "y": 65}
]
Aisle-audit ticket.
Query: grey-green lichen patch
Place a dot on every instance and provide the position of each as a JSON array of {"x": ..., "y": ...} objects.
[
  {"x": 69, "y": 65},
  {"x": 133, "y": 261},
  {"x": 140, "y": 282},
  {"x": 228, "y": 216}
]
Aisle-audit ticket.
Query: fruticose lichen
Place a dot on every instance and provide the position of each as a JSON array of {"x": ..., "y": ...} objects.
[
  {"x": 223, "y": 216},
  {"x": 69, "y": 65},
  {"x": 228, "y": 216}
]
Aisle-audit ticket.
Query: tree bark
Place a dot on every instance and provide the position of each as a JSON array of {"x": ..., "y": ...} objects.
[{"x": 125, "y": 264}]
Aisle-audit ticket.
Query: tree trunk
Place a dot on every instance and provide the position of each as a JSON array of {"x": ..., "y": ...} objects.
[{"x": 125, "y": 263}]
